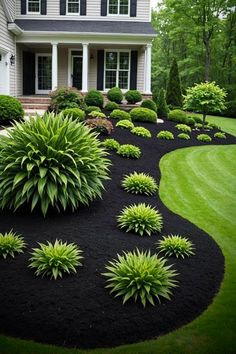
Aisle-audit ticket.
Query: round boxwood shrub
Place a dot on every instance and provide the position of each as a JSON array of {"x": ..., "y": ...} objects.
[
  {"x": 94, "y": 98},
  {"x": 143, "y": 115},
  {"x": 133, "y": 96},
  {"x": 10, "y": 109},
  {"x": 204, "y": 137},
  {"x": 119, "y": 114},
  {"x": 175, "y": 245},
  {"x": 165, "y": 134},
  {"x": 139, "y": 183},
  {"x": 141, "y": 131},
  {"x": 149, "y": 104},
  {"x": 96, "y": 114},
  {"x": 11, "y": 244},
  {"x": 177, "y": 115},
  {"x": 183, "y": 127},
  {"x": 130, "y": 151},
  {"x": 115, "y": 95},
  {"x": 51, "y": 161},
  {"x": 110, "y": 106},
  {"x": 65, "y": 97},
  {"x": 74, "y": 113},
  {"x": 124, "y": 123},
  {"x": 90, "y": 109}
]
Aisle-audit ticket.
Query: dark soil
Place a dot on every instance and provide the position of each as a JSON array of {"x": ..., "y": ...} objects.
[{"x": 77, "y": 310}]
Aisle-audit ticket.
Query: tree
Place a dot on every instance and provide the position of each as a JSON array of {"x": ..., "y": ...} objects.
[
  {"x": 162, "y": 108},
  {"x": 205, "y": 98},
  {"x": 174, "y": 94}
]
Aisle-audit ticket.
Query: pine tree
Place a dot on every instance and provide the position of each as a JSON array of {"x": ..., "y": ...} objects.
[
  {"x": 174, "y": 95},
  {"x": 162, "y": 108}
]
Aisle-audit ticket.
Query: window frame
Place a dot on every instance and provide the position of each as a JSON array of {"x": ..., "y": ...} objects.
[
  {"x": 117, "y": 70},
  {"x": 118, "y": 14},
  {"x": 72, "y": 13},
  {"x": 33, "y": 12}
]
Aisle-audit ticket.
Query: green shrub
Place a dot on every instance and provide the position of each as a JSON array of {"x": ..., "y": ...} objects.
[
  {"x": 141, "y": 131},
  {"x": 220, "y": 135},
  {"x": 127, "y": 124},
  {"x": 65, "y": 97},
  {"x": 133, "y": 96},
  {"x": 204, "y": 137},
  {"x": 110, "y": 106},
  {"x": 100, "y": 125},
  {"x": 178, "y": 116},
  {"x": 175, "y": 245},
  {"x": 74, "y": 113},
  {"x": 11, "y": 243},
  {"x": 115, "y": 95},
  {"x": 139, "y": 183},
  {"x": 190, "y": 121},
  {"x": 143, "y": 115},
  {"x": 162, "y": 108},
  {"x": 55, "y": 259},
  {"x": 140, "y": 275},
  {"x": 183, "y": 136},
  {"x": 94, "y": 98},
  {"x": 150, "y": 104},
  {"x": 198, "y": 125},
  {"x": 183, "y": 127},
  {"x": 90, "y": 109},
  {"x": 128, "y": 150},
  {"x": 96, "y": 114},
  {"x": 141, "y": 219},
  {"x": 165, "y": 134},
  {"x": 213, "y": 125},
  {"x": 111, "y": 144},
  {"x": 10, "y": 109},
  {"x": 119, "y": 114},
  {"x": 51, "y": 162},
  {"x": 196, "y": 118}
]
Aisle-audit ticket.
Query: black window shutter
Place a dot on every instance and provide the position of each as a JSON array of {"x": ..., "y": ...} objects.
[
  {"x": 103, "y": 7},
  {"x": 62, "y": 7},
  {"x": 133, "y": 8},
  {"x": 100, "y": 70},
  {"x": 83, "y": 6},
  {"x": 23, "y": 7},
  {"x": 43, "y": 7},
  {"x": 133, "y": 70}
]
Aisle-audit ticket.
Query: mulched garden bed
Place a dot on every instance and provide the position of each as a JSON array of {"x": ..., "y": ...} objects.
[{"x": 77, "y": 310}]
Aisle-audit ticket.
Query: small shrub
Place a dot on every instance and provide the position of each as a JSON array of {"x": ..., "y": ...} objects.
[
  {"x": 208, "y": 127},
  {"x": 139, "y": 183},
  {"x": 55, "y": 259},
  {"x": 143, "y": 115},
  {"x": 150, "y": 104},
  {"x": 220, "y": 135},
  {"x": 94, "y": 98},
  {"x": 110, "y": 106},
  {"x": 204, "y": 137},
  {"x": 127, "y": 124},
  {"x": 140, "y": 275},
  {"x": 115, "y": 95},
  {"x": 10, "y": 109},
  {"x": 213, "y": 126},
  {"x": 196, "y": 118},
  {"x": 183, "y": 136},
  {"x": 65, "y": 97},
  {"x": 90, "y": 109},
  {"x": 198, "y": 125},
  {"x": 165, "y": 134},
  {"x": 175, "y": 245},
  {"x": 119, "y": 114},
  {"x": 162, "y": 108},
  {"x": 96, "y": 114},
  {"x": 183, "y": 127},
  {"x": 11, "y": 243},
  {"x": 133, "y": 96},
  {"x": 128, "y": 150},
  {"x": 100, "y": 125},
  {"x": 111, "y": 144},
  {"x": 74, "y": 113},
  {"x": 141, "y": 131},
  {"x": 141, "y": 219},
  {"x": 179, "y": 116},
  {"x": 190, "y": 121}
]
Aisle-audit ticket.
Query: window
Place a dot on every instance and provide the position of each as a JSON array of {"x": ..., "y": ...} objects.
[
  {"x": 118, "y": 7},
  {"x": 33, "y": 6},
  {"x": 117, "y": 69},
  {"x": 73, "y": 7}
]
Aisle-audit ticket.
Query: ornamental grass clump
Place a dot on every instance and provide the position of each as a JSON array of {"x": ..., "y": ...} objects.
[
  {"x": 204, "y": 137},
  {"x": 141, "y": 131},
  {"x": 10, "y": 244},
  {"x": 139, "y": 275},
  {"x": 130, "y": 151},
  {"x": 183, "y": 136},
  {"x": 183, "y": 127},
  {"x": 165, "y": 135},
  {"x": 126, "y": 124},
  {"x": 139, "y": 183},
  {"x": 140, "y": 218},
  {"x": 55, "y": 259},
  {"x": 220, "y": 135},
  {"x": 51, "y": 162},
  {"x": 175, "y": 245},
  {"x": 111, "y": 144}
]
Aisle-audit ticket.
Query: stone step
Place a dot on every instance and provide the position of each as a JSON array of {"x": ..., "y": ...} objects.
[{"x": 35, "y": 106}]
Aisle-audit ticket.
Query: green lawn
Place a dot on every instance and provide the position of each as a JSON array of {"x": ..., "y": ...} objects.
[{"x": 226, "y": 124}]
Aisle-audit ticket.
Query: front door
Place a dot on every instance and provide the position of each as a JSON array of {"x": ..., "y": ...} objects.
[
  {"x": 43, "y": 73},
  {"x": 77, "y": 72}
]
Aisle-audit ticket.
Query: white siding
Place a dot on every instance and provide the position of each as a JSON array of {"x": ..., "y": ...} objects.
[
  {"x": 141, "y": 67},
  {"x": 11, "y": 4}
]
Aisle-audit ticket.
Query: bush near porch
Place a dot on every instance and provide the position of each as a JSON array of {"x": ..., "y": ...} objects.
[{"x": 10, "y": 109}]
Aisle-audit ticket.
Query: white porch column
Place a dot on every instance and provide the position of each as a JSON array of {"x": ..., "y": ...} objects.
[
  {"x": 54, "y": 66},
  {"x": 85, "y": 67},
  {"x": 148, "y": 68}
]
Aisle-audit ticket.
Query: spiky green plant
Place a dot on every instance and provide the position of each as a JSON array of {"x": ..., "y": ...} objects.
[
  {"x": 183, "y": 127},
  {"x": 204, "y": 137},
  {"x": 176, "y": 245},
  {"x": 11, "y": 243},
  {"x": 220, "y": 135},
  {"x": 141, "y": 131},
  {"x": 183, "y": 136},
  {"x": 125, "y": 123},
  {"x": 140, "y": 275},
  {"x": 128, "y": 150},
  {"x": 111, "y": 144},
  {"x": 139, "y": 183},
  {"x": 165, "y": 134},
  {"x": 51, "y": 162},
  {"x": 55, "y": 259},
  {"x": 140, "y": 218}
]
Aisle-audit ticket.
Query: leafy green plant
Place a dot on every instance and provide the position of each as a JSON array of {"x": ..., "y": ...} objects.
[
  {"x": 213, "y": 125},
  {"x": 74, "y": 113},
  {"x": 10, "y": 109},
  {"x": 141, "y": 131},
  {"x": 177, "y": 115},
  {"x": 175, "y": 245},
  {"x": 100, "y": 125},
  {"x": 119, "y": 114},
  {"x": 94, "y": 98},
  {"x": 143, "y": 115},
  {"x": 128, "y": 150},
  {"x": 141, "y": 219},
  {"x": 10, "y": 244},
  {"x": 51, "y": 161},
  {"x": 124, "y": 123},
  {"x": 149, "y": 104},
  {"x": 140, "y": 275},
  {"x": 183, "y": 127},
  {"x": 55, "y": 259},
  {"x": 165, "y": 134},
  {"x": 133, "y": 96},
  {"x": 198, "y": 125},
  {"x": 220, "y": 135},
  {"x": 184, "y": 136},
  {"x": 204, "y": 137},
  {"x": 110, "y": 106},
  {"x": 139, "y": 183},
  {"x": 196, "y": 118},
  {"x": 65, "y": 97},
  {"x": 111, "y": 144},
  {"x": 90, "y": 109},
  {"x": 96, "y": 114},
  {"x": 115, "y": 95}
]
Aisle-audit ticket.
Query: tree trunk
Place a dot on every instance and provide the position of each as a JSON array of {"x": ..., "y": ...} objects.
[{"x": 203, "y": 120}]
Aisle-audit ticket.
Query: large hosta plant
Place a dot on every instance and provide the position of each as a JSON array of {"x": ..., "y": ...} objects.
[{"x": 51, "y": 162}]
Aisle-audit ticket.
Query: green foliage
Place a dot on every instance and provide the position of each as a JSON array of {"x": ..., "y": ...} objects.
[
  {"x": 165, "y": 134},
  {"x": 162, "y": 108},
  {"x": 100, "y": 125},
  {"x": 204, "y": 137},
  {"x": 51, "y": 162},
  {"x": 110, "y": 106},
  {"x": 140, "y": 275},
  {"x": 111, "y": 144},
  {"x": 139, "y": 183},
  {"x": 127, "y": 124},
  {"x": 220, "y": 135},
  {"x": 90, "y": 109},
  {"x": 141, "y": 131},
  {"x": 190, "y": 121},
  {"x": 119, "y": 114},
  {"x": 65, "y": 97},
  {"x": 196, "y": 118},
  {"x": 178, "y": 116},
  {"x": 55, "y": 259},
  {"x": 10, "y": 109},
  {"x": 130, "y": 151},
  {"x": 213, "y": 125},
  {"x": 183, "y": 127},
  {"x": 149, "y": 104},
  {"x": 96, "y": 114},
  {"x": 183, "y": 136},
  {"x": 143, "y": 115},
  {"x": 94, "y": 98},
  {"x": 11, "y": 243},
  {"x": 74, "y": 113},
  {"x": 115, "y": 95},
  {"x": 175, "y": 245},
  {"x": 174, "y": 94},
  {"x": 141, "y": 219},
  {"x": 133, "y": 96},
  {"x": 198, "y": 125},
  {"x": 230, "y": 110}
]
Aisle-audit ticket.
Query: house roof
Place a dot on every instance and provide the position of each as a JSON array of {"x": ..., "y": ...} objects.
[{"x": 84, "y": 26}]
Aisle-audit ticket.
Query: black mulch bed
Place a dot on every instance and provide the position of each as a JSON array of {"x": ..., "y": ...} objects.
[{"x": 77, "y": 310}]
